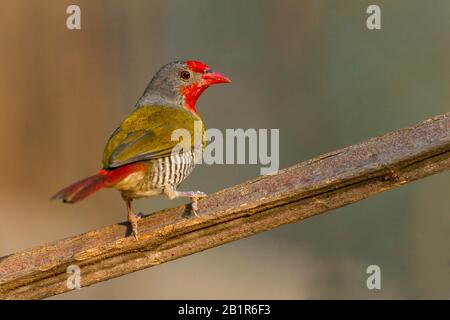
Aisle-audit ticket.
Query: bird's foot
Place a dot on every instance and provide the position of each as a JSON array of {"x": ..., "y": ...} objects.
[
  {"x": 133, "y": 219},
  {"x": 194, "y": 197}
]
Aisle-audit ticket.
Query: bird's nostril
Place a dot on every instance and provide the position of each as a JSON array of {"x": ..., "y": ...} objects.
[{"x": 209, "y": 70}]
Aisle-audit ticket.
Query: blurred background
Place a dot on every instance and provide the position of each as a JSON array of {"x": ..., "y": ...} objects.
[{"x": 310, "y": 68}]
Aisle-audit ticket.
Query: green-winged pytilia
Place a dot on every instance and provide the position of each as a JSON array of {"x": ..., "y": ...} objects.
[{"x": 138, "y": 159}]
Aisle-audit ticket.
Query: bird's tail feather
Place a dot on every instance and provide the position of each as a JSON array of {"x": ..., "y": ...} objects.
[
  {"x": 81, "y": 189},
  {"x": 104, "y": 178}
]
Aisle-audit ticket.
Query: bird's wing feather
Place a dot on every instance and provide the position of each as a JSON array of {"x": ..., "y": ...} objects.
[{"x": 147, "y": 134}]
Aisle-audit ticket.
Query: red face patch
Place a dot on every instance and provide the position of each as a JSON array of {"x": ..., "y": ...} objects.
[
  {"x": 196, "y": 66},
  {"x": 191, "y": 94}
]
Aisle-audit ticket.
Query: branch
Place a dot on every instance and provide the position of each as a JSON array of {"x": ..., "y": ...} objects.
[{"x": 301, "y": 191}]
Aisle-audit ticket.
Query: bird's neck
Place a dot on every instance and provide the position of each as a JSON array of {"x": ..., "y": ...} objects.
[
  {"x": 151, "y": 97},
  {"x": 156, "y": 98},
  {"x": 160, "y": 93},
  {"x": 168, "y": 94}
]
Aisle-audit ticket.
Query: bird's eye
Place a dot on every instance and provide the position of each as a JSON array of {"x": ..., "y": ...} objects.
[{"x": 185, "y": 75}]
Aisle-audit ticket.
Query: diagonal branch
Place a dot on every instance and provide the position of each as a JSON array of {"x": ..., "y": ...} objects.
[{"x": 301, "y": 191}]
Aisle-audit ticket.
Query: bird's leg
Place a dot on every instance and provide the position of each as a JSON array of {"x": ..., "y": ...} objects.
[
  {"x": 132, "y": 219},
  {"x": 194, "y": 196}
]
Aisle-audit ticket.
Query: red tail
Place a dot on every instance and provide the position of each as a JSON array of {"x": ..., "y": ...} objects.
[{"x": 105, "y": 178}]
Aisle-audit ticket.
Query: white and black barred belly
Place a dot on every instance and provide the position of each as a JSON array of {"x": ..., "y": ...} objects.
[
  {"x": 166, "y": 171},
  {"x": 170, "y": 170}
]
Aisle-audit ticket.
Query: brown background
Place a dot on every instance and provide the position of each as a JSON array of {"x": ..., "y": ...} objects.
[{"x": 309, "y": 68}]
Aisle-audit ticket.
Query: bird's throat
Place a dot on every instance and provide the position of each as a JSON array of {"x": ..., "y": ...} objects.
[{"x": 191, "y": 94}]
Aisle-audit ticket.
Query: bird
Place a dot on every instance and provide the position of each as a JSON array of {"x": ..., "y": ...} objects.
[{"x": 139, "y": 159}]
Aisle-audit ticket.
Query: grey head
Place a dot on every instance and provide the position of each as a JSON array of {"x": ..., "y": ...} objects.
[{"x": 179, "y": 84}]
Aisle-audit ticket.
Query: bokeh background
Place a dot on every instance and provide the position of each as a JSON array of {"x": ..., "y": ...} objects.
[{"x": 310, "y": 68}]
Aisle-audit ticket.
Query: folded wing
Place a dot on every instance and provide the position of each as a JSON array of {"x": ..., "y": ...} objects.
[{"x": 147, "y": 134}]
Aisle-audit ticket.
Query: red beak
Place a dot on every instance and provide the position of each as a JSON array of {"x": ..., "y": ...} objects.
[{"x": 210, "y": 77}]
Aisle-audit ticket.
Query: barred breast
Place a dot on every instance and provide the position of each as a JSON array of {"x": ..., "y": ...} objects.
[{"x": 170, "y": 170}]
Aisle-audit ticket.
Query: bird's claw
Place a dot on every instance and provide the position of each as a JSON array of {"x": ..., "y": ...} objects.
[
  {"x": 196, "y": 195},
  {"x": 134, "y": 229},
  {"x": 134, "y": 226},
  {"x": 194, "y": 208},
  {"x": 136, "y": 235},
  {"x": 138, "y": 215}
]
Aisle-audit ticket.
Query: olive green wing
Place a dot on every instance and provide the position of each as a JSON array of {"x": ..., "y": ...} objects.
[{"x": 147, "y": 134}]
